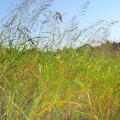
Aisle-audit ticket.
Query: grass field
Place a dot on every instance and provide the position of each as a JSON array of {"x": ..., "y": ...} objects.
[{"x": 63, "y": 85}]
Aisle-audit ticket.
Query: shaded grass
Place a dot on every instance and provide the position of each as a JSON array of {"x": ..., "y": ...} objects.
[{"x": 59, "y": 85}]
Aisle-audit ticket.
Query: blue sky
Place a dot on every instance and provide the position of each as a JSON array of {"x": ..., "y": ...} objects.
[{"x": 98, "y": 9}]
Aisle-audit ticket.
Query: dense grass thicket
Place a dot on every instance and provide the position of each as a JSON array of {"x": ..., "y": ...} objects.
[{"x": 70, "y": 84}]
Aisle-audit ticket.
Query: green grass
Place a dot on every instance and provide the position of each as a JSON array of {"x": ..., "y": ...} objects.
[{"x": 64, "y": 85}]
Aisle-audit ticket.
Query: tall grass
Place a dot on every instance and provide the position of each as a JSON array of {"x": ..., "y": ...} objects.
[{"x": 63, "y": 85}]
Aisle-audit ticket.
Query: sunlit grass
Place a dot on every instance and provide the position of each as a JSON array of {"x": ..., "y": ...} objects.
[{"x": 59, "y": 85}]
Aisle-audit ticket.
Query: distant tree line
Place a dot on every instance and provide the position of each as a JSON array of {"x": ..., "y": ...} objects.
[{"x": 107, "y": 46}]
